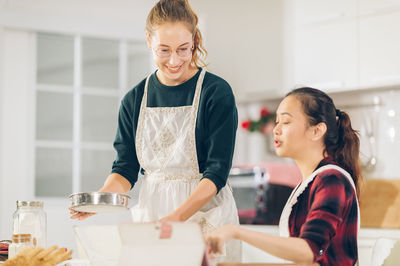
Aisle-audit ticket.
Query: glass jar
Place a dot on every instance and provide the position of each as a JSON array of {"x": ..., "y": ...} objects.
[
  {"x": 19, "y": 242},
  {"x": 30, "y": 218}
]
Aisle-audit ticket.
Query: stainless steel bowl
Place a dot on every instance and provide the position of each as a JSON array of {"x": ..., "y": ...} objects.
[{"x": 99, "y": 202}]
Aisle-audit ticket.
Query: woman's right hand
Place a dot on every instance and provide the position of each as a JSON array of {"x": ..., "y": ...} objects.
[
  {"x": 115, "y": 183},
  {"x": 79, "y": 215}
]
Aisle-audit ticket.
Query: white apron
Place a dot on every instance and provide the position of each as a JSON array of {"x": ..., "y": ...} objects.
[
  {"x": 299, "y": 189},
  {"x": 166, "y": 150}
]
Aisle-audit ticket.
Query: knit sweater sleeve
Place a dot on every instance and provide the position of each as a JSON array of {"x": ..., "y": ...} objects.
[
  {"x": 220, "y": 132},
  {"x": 126, "y": 162}
]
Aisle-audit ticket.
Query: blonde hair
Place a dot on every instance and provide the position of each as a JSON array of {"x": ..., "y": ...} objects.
[{"x": 166, "y": 11}]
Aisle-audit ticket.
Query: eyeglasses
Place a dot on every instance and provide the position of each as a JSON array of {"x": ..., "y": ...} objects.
[{"x": 164, "y": 52}]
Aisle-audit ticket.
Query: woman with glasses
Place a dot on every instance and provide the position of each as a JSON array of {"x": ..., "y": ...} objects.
[
  {"x": 178, "y": 125},
  {"x": 320, "y": 221}
]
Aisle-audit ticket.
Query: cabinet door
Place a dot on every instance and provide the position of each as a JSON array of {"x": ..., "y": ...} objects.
[
  {"x": 314, "y": 11},
  {"x": 379, "y": 50},
  {"x": 326, "y": 55},
  {"x": 369, "y": 7}
]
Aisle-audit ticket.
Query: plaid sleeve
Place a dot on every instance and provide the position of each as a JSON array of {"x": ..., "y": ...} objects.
[{"x": 326, "y": 211}]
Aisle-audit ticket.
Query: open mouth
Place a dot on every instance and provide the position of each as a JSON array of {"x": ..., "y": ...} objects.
[{"x": 277, "y": 143}]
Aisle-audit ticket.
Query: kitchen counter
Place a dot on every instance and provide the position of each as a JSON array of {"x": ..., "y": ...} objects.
[{"x": 366, "y": 241}]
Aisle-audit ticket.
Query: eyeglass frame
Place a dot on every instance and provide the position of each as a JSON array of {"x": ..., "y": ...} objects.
[{"x": 170, "y": 52}]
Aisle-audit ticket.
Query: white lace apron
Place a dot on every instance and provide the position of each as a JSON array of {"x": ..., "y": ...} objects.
[
  {"x": 166, "y": 150},
  {"x": 299, "y": 189}
]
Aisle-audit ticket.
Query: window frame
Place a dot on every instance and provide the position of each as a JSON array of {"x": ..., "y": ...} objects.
[{"x": 77, "y": 90}]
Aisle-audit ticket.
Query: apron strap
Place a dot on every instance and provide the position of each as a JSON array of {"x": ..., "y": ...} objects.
[
  {"x": 144, "y": 98},
  {"x": 284, "y": 221},
  {"x": 199, "y": 85}
]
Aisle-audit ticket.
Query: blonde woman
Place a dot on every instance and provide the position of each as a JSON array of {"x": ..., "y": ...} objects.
[{"x": 179, "y": 126}]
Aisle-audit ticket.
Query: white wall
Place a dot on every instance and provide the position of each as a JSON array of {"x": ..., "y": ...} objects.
[
  {"x": 385, "y": 125},
  {"x": 288, "y": 45},
  {"x": 1, "y": 121},
  {"x": 16, "y": 152},
  {"x": 246, "y": 46},
  {"x": 245, "y": 42},
  {"x": 117, "y": 19}
]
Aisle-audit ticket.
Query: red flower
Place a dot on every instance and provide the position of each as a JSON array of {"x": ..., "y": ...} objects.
[
  {"x": 246, "y": 124},
  {"x": 264, "y": 112}
]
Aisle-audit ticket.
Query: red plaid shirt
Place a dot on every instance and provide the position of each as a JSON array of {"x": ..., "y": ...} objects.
[{"x": 325, "y": 215}]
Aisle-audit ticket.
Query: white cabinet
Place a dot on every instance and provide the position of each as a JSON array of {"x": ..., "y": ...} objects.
[
  {"x": 367, "y": 238},
  {"x": 326, "y": 44},
  {"x": 312, "y": 11},
  {"x": 379, "y": 50},
  {"x": 326, "y": 55},
  {"x": 370, "y": 7},
  {"x": 347, "y": 45}
]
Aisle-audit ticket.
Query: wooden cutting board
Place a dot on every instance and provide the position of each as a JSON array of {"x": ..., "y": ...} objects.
[{"x": 380, "y": 203}]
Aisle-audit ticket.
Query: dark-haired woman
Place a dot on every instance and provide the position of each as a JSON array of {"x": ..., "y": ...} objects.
[
  {"x": 179, "y": 126},
  {"x": 320, "y": 221}
]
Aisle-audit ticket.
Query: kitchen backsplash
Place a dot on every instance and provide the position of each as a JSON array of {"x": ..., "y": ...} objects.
[{"x": 374, "y": 113}]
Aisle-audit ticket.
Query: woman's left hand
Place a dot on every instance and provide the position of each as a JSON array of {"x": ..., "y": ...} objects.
[{"x": 219, "y": 236}]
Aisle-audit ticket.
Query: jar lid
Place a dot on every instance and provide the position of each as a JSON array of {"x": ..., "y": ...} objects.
[
  {"x": 21, "y": 203},
  {"x": 19, "y": 238}
]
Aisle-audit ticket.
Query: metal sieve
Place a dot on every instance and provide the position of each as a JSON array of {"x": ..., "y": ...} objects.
[{"x": 95, "y": 202}]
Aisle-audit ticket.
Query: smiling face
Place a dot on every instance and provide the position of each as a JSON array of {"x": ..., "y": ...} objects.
[
  {"x": 292, "y": 134},
  {"x": 175, "y": 37}
]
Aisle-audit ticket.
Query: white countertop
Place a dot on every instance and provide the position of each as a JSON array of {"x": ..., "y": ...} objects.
[
  {"x": 364, "y": 231},
  {"x": 366, "y": 241}
]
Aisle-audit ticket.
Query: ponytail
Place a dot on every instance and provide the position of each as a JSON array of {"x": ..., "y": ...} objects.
[
  {"x": 341, "y": 141},
  {"x": 346, "y": 151},
  {"x": 170, "y": 11}
]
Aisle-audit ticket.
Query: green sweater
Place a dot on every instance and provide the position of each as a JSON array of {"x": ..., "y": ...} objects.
[{"x": 216, "y": 124}]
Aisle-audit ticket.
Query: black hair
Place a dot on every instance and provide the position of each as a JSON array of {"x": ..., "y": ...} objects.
[{"x": 342, "y": 142}]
